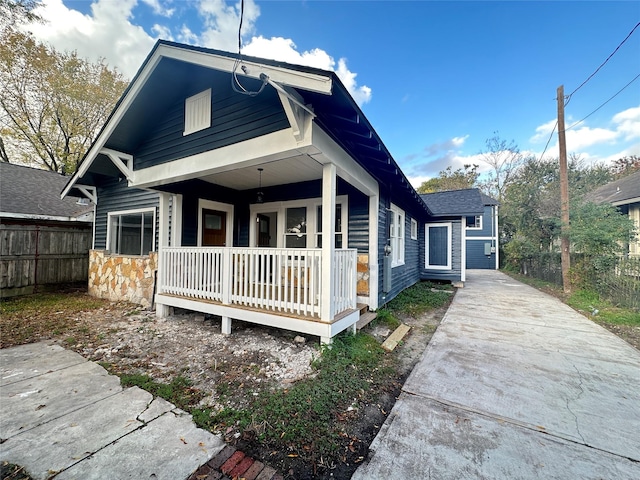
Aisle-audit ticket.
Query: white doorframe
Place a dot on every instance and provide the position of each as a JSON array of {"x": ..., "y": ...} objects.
[{"x": 223, "y": 207}]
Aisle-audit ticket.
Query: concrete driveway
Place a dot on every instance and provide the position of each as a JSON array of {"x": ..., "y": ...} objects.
[
  {"x": 60, "y": 414},
  {"x": 514, "y": 385}
]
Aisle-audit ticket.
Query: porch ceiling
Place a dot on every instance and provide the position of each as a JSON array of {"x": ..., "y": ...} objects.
[{"x": 300, "y": 168}]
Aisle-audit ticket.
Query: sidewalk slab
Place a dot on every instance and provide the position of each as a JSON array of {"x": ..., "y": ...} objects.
[
  {"x": 33, "y": 360},
  {"x": 168, "y": 448},
  {"x": 62, "y": 442},
  {"x": 448, "y": 443},
  {"x": 40, "y": 399},
  {"x": 549, "y": 393},
  {"x": 72, "y": 419}
]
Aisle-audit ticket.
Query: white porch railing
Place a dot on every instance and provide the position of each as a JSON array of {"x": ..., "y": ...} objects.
[{"x": 274, "y": 279}]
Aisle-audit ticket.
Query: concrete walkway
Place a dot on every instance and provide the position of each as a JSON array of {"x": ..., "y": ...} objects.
[
  {"x": 61, "y": 414},
  {"x": 514, "y": 385}
]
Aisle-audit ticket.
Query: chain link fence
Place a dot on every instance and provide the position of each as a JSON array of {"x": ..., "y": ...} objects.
[{"x": 615, "y": 279}]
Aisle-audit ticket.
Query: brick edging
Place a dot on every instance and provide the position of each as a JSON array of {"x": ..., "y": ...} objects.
[{"x": 230, "y": 464}]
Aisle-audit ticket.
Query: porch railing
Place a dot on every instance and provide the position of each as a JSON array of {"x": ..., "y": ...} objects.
[{"x": 274, "y": 279}]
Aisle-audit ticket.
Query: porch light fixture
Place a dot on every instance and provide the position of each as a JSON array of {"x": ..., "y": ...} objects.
[{"x": 260, "y": 194}]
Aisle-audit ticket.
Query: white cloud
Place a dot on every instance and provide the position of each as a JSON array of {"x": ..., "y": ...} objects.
[
  {"x": 623, "y": 127},
  {"x": 107, "y": 32},
  {"x": 162, "y": 31},
  {"x": 159, "y": 9},
  {"x": 628, "y": 123},
  {"x": 284, "y": 49}
]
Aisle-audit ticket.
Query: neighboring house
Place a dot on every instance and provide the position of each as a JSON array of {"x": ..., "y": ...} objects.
[
  {"x": 44, "y": 240},
  {"x": 226, "y": 175},
  {"x": 453, "y": 210},
  {"x": 624, "y": 194},
  {"x": 482, "y": 237}
]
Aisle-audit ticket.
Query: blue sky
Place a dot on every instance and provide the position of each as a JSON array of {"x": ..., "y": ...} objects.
[{"x": 436, "y": 79}]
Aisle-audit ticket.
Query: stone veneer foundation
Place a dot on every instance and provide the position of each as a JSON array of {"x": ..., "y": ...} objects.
[
  {"x": 363, "y": 275},
  {"x": 121, "y": 277}
]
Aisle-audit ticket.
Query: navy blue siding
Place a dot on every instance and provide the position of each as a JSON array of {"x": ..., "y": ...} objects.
[
  {"x": 402, "y": 276},
  {"x": 235, "y": 118},
  {"x": 476, "y": 257},
  {"x": 486, "y": 225},
  {"x": 116, "y": 196},
  {"x": 453, "y": 275}
]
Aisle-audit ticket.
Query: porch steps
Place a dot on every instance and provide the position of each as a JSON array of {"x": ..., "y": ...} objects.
[
  {"x": 396, "y": 337},
  {"x": 366, "y": 316}
]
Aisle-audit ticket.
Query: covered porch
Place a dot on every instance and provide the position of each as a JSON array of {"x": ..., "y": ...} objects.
[{"x": 271, "y": 286}]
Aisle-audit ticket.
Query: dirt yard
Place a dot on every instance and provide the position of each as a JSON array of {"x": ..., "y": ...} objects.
[{"x": 228, "y": 369}]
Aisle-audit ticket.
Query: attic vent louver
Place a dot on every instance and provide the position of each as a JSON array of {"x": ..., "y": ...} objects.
[{"x": 197, "y": 112}]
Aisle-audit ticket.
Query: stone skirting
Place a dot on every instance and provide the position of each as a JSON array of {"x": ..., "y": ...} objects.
[
  {"x": 120, "y": 277},
  {"x": 362, "y": 288}
]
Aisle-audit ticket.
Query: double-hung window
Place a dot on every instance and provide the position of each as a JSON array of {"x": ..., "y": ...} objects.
[
  {"x": 131, "y": 232},
  {"x": 296, "y": 227},
  {"x": 338, "y": 226},
  {"x": 397, "y": 235}
]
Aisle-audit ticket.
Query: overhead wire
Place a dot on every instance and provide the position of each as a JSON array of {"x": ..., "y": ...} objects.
[
  {"x": 549, "y": 140},
  {"x": 235, "y": 81},
  {"x": 568, "y": 97},
  {"x": 603, "y": 104}
]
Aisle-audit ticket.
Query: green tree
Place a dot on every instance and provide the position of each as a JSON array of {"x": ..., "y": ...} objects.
[
  {"x": 52, "y": 103},
  {"x": 600, "y": 229},
  {"x": 449, "y": 179}
]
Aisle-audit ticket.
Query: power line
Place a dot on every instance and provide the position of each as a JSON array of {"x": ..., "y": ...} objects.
[
  {"x": 603, "y": 104},
  {"x": 568, "y": 97},
  {"x": 550, "y": 136}
]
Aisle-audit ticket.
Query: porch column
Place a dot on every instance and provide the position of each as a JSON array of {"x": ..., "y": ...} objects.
[
  {"x": 328, "y": 239},
  {"x": 176, "y": 220},
  {"x": 163, "y": 241},
  {"x": 374, "y": 206}
]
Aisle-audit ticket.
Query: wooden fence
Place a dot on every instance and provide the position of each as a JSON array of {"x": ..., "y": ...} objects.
[{"x": 35, "y": 255}]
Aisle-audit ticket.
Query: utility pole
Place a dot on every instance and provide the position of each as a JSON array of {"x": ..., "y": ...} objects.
[{"x": 564, "y": 194}]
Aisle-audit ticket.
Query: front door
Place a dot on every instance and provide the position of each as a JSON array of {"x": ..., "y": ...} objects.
[{"x": 214, "y": 228}]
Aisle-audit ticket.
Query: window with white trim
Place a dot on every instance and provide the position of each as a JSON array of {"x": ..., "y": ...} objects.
[
  {"x": 131, "y": 232},
  {"x": 414, "y": 229},
  {"x": 197, "y": 112},
  {"x": 295, "y": 235},
  {"x": 438, "y": 246},
  {"x": 338, "y": 226},
  {"x": 397, "y": 235},
  {"x": 474, "y": 222}
]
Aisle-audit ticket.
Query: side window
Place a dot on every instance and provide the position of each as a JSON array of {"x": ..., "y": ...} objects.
[
  {"x": 397, "y": 236},
  {"x": 414, "y": 229},
  {"x": 197, "y": 112},
  {"x": 131, "y": 232},
  {"x": 474, "y": 222}
]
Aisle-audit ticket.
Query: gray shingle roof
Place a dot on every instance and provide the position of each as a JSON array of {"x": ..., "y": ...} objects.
[
  {"x": 454, "y": 202},
  {"x": 32, "y": 191},
  {"x": 617, "y": 192}
]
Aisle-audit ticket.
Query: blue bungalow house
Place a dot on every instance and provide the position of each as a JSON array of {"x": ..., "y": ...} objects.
[
  {"x": 473, "y": 217},
  {"x": 254, "y": 190}
]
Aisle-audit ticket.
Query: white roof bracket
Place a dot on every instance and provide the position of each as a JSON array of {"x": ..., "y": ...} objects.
[
  {"x": 122, "y": 161},
  {"x": 89, "y": 192},
  {"x": 296, "y": 111}
]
